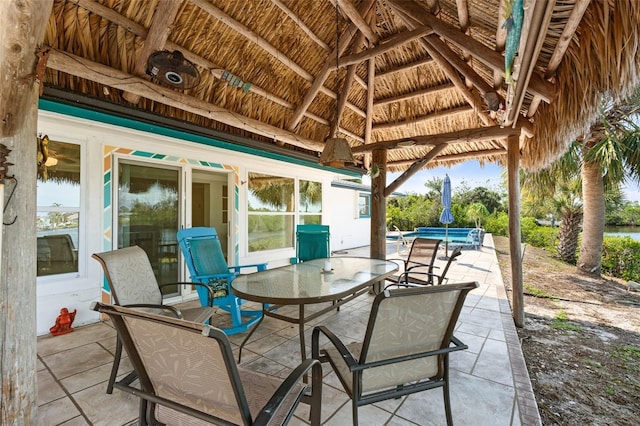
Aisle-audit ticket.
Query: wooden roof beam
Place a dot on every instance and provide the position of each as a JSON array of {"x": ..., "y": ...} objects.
[
  {"x": 413, "y": 169},
  {"x": 415, "y": 94},
  {"x": 405, "y": 67},
  {"x": 437, "y": 114},
  {"x": 463, "y": 21},
  {"x": 484, "y": 54},
  {"x": 137, "y": 29},
  {"x": 561, "y": 48},
  {"x": 264, "y": 44},
  {"x": 450, "y": 72},
  {"x": 460, "y": 136},
  {"x": 295, "y": 18},
  {"x": 102, "y": 74},
  {"x": 501, "y": 39},
  {"x": 471, "y": 155},
  {"x": 368, "y": 123},
  {"x": 318, "y": 81},
  {"x": 355, "y": 16},
  {"x": 414, "y": 15},
  {"x": 385, "y": 46},
  {"x": 161, "y": 24},
  {"x": 536, "y": 22}
]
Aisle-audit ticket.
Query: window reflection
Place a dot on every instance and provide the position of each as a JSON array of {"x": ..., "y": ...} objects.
[
  {"x": 58, "y": 212},
  {"x": 271, "y": 212}
]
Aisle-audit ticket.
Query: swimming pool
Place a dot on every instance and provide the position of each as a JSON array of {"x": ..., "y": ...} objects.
[{"x": 470, "y": 236}]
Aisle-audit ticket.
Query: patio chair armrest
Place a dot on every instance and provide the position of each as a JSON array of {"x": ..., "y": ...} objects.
[
  {"x": 458, "y": 346},
  {"x": 207, "y": 278},
  {"x": 259, "y": 266},
  {"x": 267, "y": 412},
  {"x": 337, "y": 343},
  {"x": 421, "y": 265},
  {"x": 406, "y": 277},
  {"x": 175, "y": 311}
]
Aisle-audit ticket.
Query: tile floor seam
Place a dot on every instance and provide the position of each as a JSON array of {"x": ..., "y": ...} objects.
[{"x": 66, "y": 392}]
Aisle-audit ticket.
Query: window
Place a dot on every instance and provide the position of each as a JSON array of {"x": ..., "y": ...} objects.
[
  {"x": 271, "y": 212},
  {"x": 58, "y": 212},
  {"x": 364, "y": 205},
  {"x": 310, "y": 202}
]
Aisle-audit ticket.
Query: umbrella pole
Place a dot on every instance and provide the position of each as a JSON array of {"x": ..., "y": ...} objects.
[{"x": 446, "y": 240}]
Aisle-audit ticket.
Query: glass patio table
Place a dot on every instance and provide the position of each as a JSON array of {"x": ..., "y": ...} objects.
[{"x": 307, "y": 283}]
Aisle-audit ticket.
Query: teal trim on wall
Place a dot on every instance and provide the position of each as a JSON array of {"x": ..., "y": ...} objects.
[{"x": 102, "y": 117}]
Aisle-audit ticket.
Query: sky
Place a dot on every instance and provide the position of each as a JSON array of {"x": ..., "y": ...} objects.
[{"x": 489, "y": 175}]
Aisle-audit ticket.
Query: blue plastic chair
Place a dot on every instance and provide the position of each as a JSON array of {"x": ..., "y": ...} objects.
[
  {"x": 205, "y": 260},
  {"x": 312, "y": 242}
]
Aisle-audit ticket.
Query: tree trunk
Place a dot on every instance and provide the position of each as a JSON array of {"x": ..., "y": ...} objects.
[
  {"x": 568, "y": 235},
  {"x": 22, "y": 27},
  {"x": 593, "y": 226}
]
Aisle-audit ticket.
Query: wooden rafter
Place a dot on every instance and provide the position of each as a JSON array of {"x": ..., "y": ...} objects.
[
  {"x": 414, "y": 94},
  {"x": 463, "y": 21},
  {"x": 413, "y": 169},
  {"x": 471, "y": 98},
  {"x": 561, "y": 48},
  {"x": 405, "y": 67},
  {"x": 371, "y": 76},
  {"x": 385, "y": 46},
  {"x": 460, "y": 136},
  {"x": 536, "y": 22},
  {"x": 302, "y": 25},
  {"x": 456, "y": 157},
  {"x": 161, "y": 24},
  {"x": 102, "y": 74},
  {"x": 501, "y": 39},
  {"x": 484, "y": 54},
  {"x": 355, "y": 16},
  {"x": 434, "y": 115},
  {"x": 215, "y": 70},
  {"x": 319, "y": 80}
]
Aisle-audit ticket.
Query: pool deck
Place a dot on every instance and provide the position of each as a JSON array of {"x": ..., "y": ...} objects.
[{"x": 489, "y": 381}]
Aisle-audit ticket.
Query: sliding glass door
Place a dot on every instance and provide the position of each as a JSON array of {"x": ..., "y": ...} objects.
[{"x": 149, "y": 216}]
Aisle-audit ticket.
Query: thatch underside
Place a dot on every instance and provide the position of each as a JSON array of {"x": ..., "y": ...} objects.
[{"x": 267, "y": 69}]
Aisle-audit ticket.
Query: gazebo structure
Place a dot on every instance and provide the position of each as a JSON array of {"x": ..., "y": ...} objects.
[{"x": 407, "y": 84}]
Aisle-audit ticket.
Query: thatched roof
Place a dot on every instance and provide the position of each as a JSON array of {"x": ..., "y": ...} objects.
[{"x": 422, "y": 72}]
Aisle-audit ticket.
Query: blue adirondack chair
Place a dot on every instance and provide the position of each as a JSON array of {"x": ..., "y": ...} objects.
[
  {"x": 205, "y": 260},
  {"x": 312, "y": 242}
]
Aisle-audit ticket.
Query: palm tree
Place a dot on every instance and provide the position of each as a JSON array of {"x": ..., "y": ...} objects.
[{"x": 610, "y": 156}]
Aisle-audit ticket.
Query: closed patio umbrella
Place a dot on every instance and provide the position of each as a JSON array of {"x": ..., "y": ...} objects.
[{"x": 446, "y": 216}]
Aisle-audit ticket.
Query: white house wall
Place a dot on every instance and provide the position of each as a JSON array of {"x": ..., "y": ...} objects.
[{"x": 96, "y": 139}]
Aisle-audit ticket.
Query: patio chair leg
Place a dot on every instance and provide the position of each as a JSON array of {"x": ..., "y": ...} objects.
[
  {"x": 445, "y": 391},
  {"x": 114, "y": 367}
]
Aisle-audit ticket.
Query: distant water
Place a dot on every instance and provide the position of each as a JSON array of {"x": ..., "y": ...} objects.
[{"x": 623, "y": 231}]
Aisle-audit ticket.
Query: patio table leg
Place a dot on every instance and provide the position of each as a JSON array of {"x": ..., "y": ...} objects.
[{"x": 254, "y": 328}]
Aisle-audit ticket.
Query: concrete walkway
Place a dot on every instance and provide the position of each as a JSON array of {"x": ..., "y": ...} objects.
[{"x": 489, "y": 382}]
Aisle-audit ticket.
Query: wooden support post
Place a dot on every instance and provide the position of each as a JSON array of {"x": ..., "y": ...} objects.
[
  {"x": 379, "y": 210},
  {"x": 22, "y": 28},
  {"x": 517, "y": 285}
]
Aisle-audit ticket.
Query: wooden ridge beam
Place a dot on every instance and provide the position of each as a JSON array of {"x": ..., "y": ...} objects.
[
  {"x": 102, "y": 74},
  {"x": 356, "y": 17},
  {"x": 461, "y": 136},
  {"x": 432, "y": 116}
]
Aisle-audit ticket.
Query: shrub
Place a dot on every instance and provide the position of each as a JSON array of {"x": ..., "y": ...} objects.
[
  {"x": 497, "y": 224},
  {"x": 621, "y": 257},
  {"x": 544, "y": 237}
]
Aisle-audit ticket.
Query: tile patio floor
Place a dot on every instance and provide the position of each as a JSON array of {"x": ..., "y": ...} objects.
[{"x": 489, "y": 382}]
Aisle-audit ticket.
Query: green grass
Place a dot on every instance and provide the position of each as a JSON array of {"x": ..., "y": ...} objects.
[
  {"x": 561, "y": 322},
  {"x": 630, "y": 355},
  {"x": 536, "y": 292}
]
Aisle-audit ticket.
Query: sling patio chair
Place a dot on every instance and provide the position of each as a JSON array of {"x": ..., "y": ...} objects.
[
  {"x": 415, "y": 277},
  {"x": 133, "y": 284},
  {"x": 202, "y": 252},
  {"x": 421, "y": 258},
  {"x": 405, "y": 349},
  {"x": 312, "y": 242},
  {"x": 188, "y": 376}
]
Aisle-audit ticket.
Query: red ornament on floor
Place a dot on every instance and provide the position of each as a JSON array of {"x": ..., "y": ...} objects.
[{"x": 63, "y": 322}]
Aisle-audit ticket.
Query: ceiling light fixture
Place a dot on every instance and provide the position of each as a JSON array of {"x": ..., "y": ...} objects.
[{"x": 336, "y": 150}]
